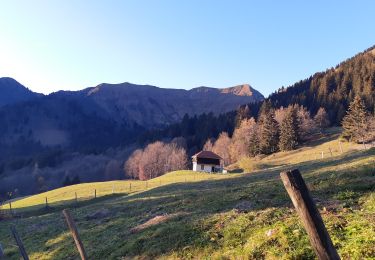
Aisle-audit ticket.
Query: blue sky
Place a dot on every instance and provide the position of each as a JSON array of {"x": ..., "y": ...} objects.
[{"x": 52, "y": 45}]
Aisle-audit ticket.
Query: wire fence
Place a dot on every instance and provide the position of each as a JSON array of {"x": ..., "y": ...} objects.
[{"x": 77, "y": 194}]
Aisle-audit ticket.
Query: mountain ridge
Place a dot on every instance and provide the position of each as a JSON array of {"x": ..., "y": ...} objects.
[
  {"x": 107, "y": 115},
  {"x": 11, "y": 91}
]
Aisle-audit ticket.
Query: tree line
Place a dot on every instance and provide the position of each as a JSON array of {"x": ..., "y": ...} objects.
[{"x": 274, "y": 130}]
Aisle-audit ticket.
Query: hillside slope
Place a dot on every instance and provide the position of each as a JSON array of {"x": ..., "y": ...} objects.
[
  {"x": 192, "y": 215},
  {"x": 335, "y": 88}
]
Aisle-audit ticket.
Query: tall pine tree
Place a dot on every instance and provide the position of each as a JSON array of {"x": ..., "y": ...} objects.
[
  {"x": 269, "y": 132},
  {"x": 254, "y": 148},
  {"x": 289, "y": 138},
  {"x": 355, "y": 121}
]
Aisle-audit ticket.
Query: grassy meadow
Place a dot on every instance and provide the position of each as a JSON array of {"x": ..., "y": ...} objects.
[{"x": 188, "y": 215}]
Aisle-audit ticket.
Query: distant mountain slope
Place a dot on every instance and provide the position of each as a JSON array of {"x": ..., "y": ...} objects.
[
  {"x": 105, "y": 116},
  {"x": 151, "y": 106},
  {"x": 12, "y": 92}
]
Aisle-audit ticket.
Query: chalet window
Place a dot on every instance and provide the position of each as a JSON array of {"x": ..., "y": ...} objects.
[{"x": 202, "y": 167}]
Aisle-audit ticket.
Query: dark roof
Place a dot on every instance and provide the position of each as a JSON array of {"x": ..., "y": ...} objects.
[{"x": 207, "y": 154}]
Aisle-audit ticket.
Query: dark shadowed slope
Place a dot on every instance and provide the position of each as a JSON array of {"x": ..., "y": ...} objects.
[{"x": 12, "y": 92}]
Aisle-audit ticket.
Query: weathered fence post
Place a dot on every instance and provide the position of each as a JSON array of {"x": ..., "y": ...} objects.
[
  {"x": 73, "y": 229},
  {"x": 322, "y": 155},
  {"x": 95, "y": 193},
  {"x": 46, "y": 202},
  {"x": 19, "y": 243},
  {"x": 130, "y": 187},
  {"x": 309, "y": 214},
  {"x": 75, "y": 193}
]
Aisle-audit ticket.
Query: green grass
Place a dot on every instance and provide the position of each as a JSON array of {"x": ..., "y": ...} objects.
[
  {"x": 86, "y": 191},
  {"x": 234, "y": 216}
]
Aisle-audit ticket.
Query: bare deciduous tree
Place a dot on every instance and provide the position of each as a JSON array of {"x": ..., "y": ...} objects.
[
  {"x": 306, "y": 125},
  {"x": 131, "y": 166},
  {"x": 155, "y": 160},
  {"x": 241, "y": 139},
  {"x": 208, "y": 145},
  {"x": 221, "y": 147},
  {"x": 321, "y": 119}
]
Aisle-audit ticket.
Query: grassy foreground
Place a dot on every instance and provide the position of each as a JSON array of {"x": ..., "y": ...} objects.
[{"x": 191, "y": 215}]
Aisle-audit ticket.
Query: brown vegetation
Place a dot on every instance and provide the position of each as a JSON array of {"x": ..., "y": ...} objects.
[{"x": 155, "y": 160}]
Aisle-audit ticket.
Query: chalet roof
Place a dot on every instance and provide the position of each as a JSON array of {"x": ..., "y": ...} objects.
[{"x": 207, "y": 155}]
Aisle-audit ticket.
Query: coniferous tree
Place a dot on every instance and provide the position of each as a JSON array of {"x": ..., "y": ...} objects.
[
  {"x": 264, "y": 108},
  {"x": 355, "y": 121},
  {"x": 243, "y": 112},
  {"x": 289, "y": 131},
  {"x": 269, "y": 131},
  {"x": 254, "y": 148}
]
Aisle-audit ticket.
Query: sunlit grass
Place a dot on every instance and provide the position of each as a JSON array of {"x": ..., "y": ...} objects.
[{"x": 86, "y": 191}]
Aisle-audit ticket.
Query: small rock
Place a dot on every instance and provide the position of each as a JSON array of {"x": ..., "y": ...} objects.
[{"x": 270, "y": 232}]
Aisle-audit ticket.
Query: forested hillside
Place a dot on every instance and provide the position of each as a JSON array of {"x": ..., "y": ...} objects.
[{"x": 335, "y": 88}]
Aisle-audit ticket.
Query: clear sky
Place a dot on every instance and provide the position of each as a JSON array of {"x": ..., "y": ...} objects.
[{"x": 52, "y": 45}]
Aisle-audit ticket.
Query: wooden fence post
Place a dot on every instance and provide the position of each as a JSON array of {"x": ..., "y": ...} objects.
[
  {"x": 130, "y": 187},
  {"x": 322, "y": 155},
  {"x": 73, "y": 229},
  {"x": 330, "y": 150},
  {"x": 46, "y": 202},
  {"x": 95, "y": 193},
  {"x": 19, "y": 243},
  {"x": 309, "y": 214},
  {"x": 75, "y": 193}
]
